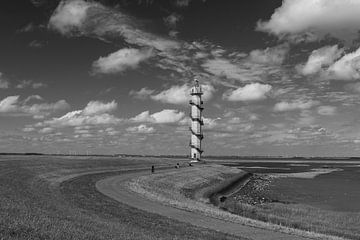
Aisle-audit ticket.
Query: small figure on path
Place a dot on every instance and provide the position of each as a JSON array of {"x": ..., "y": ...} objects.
[{"x": 152, "y": 169}]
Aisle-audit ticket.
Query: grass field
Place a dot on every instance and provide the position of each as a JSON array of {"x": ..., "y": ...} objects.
[{"x": 40, "y": 198}]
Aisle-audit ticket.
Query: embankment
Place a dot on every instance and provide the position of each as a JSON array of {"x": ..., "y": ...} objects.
[{"x": 194, "y": 189}]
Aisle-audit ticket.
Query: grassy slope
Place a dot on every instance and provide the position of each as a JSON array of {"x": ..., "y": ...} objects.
[
  {"x": 343, "y": 224},
  {"x": 34, "y": 206},
  {"x": 181, "y": 189}
]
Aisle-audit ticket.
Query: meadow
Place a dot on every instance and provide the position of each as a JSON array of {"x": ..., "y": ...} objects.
[{"x": 53, "y": 197}]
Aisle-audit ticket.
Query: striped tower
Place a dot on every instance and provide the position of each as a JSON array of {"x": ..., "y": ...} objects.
[{"x": 196, "y": 122}]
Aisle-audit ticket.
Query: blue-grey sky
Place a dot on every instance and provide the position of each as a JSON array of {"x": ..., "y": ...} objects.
[{"x": 113, "y": 76}]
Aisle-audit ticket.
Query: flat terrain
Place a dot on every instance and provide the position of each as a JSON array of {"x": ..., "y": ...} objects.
[{"x": 44, "y": 197}]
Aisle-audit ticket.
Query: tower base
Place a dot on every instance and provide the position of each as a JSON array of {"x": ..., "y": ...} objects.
[{"x": 194, "y": 161}]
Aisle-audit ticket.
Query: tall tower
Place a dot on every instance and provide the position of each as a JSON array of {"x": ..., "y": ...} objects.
[{"x": 196, "y": 122}]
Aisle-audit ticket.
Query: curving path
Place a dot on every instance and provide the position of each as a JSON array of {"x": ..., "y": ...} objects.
[{"x": 113, "y": 188}]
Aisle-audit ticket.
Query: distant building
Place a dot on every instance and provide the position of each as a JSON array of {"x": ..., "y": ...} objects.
[{"x": 196, "y": 122}]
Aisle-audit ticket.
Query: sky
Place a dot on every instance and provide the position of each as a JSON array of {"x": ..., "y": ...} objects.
[{"x": 113, "y": 76}]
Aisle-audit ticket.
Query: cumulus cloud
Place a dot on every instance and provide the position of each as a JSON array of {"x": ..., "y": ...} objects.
[
  {"x": 319, "y": 59},
  {"x": 332, "y": 63},
  {"x": 122, "y": 60},
  {"x": 250, "y": 92},
  {"x": 12, "y": 106},
  {"x": 326, "y": 110},
  {"x": 314, "y": 19},
  {"x": 181, "y": 94},
  {"x": 142, "y": 128},
  {"x": 275, "y": 55},
  {"x": 164, "y": 116},
  {"x": 42, "y": 110},
  {"x": 346, "y": 68},
  {"x": 97, "y": 107},
  {"x": 92, "y": 114},
  {"x": 69, "y": 16},
  {"x": 295, "y": 105},
  {"x": 9, "y": 104}
]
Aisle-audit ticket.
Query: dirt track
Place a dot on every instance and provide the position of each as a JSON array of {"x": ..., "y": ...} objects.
[{"x": 113, "y": 187}]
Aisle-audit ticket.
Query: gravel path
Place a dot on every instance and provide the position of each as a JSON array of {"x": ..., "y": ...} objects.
[{"x": 113, "y": 187}]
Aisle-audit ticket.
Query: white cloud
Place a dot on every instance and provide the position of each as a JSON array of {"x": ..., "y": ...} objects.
[
  {"x": 346, "y": 68},
  {"x": 295, "y": 105},
  {"x": 319, "y": 59},
  {"x": 44, "y": 109},
  {"x": 13, "y": 106},
  {"x": 69, "y": 15},
  {"x": 164, "y": 116},
  {"x": 224, "y": 68},
  {"x": 143, "y": 93},
  {"x": 97, "y": 107},
  {"x": 111, "y": 131},
  {"x": 33, "y": 97},
  {"x": 314, "y": 19},
  {"x": 122, "y": 60},
  {"x": 9, "y": 104},
  {"x": 326, "y": 110},
  {"x": 275, "y": 55},
  {"x": 92, "y": 19},
  {"x": 92, "y": 114},
  {"x": 46, "y": 130},
  {"x": 181, "y": 94},
  {"x": 141, "y": 129},
  {"x": 250, "y": 92}
]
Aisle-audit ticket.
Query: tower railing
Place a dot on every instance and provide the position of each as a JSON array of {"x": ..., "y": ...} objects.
[
  {"x": 198, "y": 149},
  {"x": 197, "y": 119},
  {"x": 199, "y": 135},
  {"x": 198, "y": 106}
]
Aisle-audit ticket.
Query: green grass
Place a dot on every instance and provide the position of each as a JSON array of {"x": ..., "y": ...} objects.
[{"x": 35, "y": 204}]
